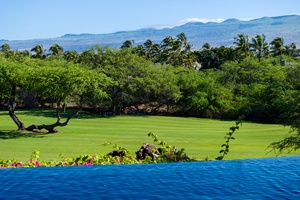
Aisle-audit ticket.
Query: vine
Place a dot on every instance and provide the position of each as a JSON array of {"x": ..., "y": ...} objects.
[{"x": 229, "y": 137}]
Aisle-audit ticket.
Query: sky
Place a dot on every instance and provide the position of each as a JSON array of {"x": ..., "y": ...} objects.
[{"x": 39, "y": 19}]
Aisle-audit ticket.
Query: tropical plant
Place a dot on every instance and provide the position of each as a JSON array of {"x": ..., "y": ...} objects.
[
  {"x": 259, "y": 46},
  {"x": 291, "y": 50},
  {"x": 39, "y": 52},
  {"x": 242, "y": 45},
  {"x": 5, "y": 49},
  {"x": 57, "y": 50},
  {"x": 277, "y": 48},
  {"x": 128, "y": 44},
  {"x": 71, "y": 56}
]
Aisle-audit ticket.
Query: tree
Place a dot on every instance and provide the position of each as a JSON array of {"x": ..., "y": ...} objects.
[
  {"x": 291, "y": 50},
  {"x": 62, "y": 83},
  {"x": 202, "y": 95},
  {"x": 71, "y": 56},
  {"x": 184, "y": 45},
  {"x": 25, "y": 53},
  {"x": 56, "y": 50},
  {"x": 168, "y": 49},
  {"x": 39, "y": 52},
  {"x": 153, "y": 51},
  {"x": 12, "y": 78},
  {"x": 287, "y": 102},
  {"x": 54, "y": 80},
  {"x": 255, "y": 86},
  {"x": 290, "y": 108},
  {"x": 148, "y": 45},
  {"x": 128, "y": 44},
  {"x": 259, "y": 46},
  {"x": 174, "y": 49},
  {"x": 214, "y": 57},
  {"x": 206, "y": 46},
  {"x": 207, "y": 57},
  {"x": 5, "y": 49},
  {"x": 242, "y": 45},
  {"x": 277, "y": 48}
]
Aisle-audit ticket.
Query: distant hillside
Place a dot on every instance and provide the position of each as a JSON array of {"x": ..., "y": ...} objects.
[{"x": 216, "y": 34}]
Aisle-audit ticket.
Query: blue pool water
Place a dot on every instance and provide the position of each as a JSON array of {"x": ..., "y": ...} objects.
[{"x": 273, "y": 178}]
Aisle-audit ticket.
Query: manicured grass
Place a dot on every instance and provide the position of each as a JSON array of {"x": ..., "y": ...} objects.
[{"x": 86, "y": 133}]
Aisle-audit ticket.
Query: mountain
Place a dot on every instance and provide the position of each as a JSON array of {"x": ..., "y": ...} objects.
[{"x": 197, "y": 33}]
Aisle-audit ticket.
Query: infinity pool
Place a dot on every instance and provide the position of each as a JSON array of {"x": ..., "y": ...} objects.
[{"x": 273, "y": 178}]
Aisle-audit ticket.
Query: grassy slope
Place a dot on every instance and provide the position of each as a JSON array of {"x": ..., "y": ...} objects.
[{"x": 85, "y": 134}]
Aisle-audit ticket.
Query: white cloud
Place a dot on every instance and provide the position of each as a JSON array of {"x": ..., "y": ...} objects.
[
  {"x": 207, "y": 20},
  {"x": 190, "y": 20},
  {"x": 200, "y": 20}
]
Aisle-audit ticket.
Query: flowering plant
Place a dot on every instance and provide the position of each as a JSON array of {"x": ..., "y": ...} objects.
[{"x": 166, "y": 154}]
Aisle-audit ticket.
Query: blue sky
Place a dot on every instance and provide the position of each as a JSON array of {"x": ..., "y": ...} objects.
[{"x": 34, "y": 19}]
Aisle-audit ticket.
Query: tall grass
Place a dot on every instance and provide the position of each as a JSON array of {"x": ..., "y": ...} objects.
[{"x": 201, "y": 138}]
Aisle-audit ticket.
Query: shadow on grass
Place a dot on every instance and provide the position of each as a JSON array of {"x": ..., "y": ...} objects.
[
  {"x": 51, "y": 113},
  {"x": 5, "y": 135}
]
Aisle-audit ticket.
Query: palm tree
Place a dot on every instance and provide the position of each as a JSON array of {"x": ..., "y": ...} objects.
[
  {"x": 128, "y": 44},
  {"x": 5, "y": 48},
  {"x": 168, "y": 47},
  {"x": 148, "y": 47},
  {"x": 259, "y": 46},
  {"x": 185, "y": 46},
  {"x": 156, "y": 53},
  {"x": 71, "y": 56},
  {"x": 277, "y": 47},
  {"x": 174, "y": 48},
  {"x": 140, "y": 51},
  {"x": 39, "y": 52},
  {"x": 25, "y": 53},
  {"x": 242, "y": 44},
  {"x": 56, "y": 50},
  {"x": 206, "y": 46},
  {"x": 292, "y": 50}
]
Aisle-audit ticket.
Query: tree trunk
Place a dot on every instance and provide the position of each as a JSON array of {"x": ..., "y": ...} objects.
[
  {"x": 18, "y": 122},
  {"x": 51, "y": 128},
  {"x": 12, "y": 106}
]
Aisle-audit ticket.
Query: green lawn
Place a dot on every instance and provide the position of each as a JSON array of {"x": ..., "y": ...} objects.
[{"x": 86, "y": 133}]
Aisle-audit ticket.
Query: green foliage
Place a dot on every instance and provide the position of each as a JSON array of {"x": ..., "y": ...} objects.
[
  {"x": 203, "y": 96},
  {"x": 289, "y": 144}
]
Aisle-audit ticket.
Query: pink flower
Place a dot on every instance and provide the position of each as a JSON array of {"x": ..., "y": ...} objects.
[
  {"x": 169, "y": 155},
  {"x": 37, "y": 163},
  {"x": 20, "y": 164}
]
